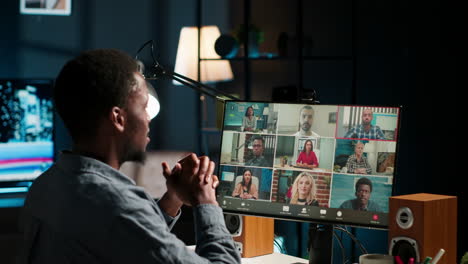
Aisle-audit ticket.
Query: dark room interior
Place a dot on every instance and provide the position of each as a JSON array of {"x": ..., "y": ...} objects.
[{"x": 351, "y": 52}]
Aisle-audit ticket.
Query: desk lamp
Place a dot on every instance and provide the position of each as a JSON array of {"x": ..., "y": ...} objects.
[{"x": 188, "y": 56}]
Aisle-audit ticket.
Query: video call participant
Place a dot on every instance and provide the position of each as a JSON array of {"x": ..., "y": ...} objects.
[
  {"x": 258, "y": 158},
  {"x": 303, "y": 190},
  {"x": 246, "y": 189},
  {"x": 83, "y": 210},
  {"x": 366, "y": 130},
  {"x": 249, "y": 121},
  {"x": 362, "y": 201},
  {"x": 306, "y": 117},
  {"x": 307, "y": 158},
  {"x": 357, "y": 162}
]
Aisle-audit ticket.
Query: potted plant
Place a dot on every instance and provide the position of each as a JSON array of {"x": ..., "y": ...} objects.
[
  {"x": 284, "y": 161},
  {"x": 255, "y": 37}
]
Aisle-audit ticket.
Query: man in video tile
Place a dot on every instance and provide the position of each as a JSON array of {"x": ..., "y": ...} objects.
[
  {"x": 366, "y": 129},
  {"x": 362, "y": 201},
  {"x": 357, "y": 162},
  {"x": 258, "y": 158},
  {"x": 306, "y": 117}
]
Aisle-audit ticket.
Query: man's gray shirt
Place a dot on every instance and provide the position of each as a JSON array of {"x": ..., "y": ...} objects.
[
  {"x": 354, "y": 204},
  {"x": 258, "y": 161},
  {"x": 83, "y": 211}
]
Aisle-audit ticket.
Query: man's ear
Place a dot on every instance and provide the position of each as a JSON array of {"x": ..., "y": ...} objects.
[{"x": 118, "y": 118}]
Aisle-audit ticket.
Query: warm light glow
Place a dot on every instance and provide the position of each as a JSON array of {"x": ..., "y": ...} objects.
[
  {"x": 187, "y": 56},
  {"x": 153, "y": 107}
]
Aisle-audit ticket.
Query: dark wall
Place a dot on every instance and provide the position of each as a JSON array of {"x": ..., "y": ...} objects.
[{"x": 412, "y": 55}]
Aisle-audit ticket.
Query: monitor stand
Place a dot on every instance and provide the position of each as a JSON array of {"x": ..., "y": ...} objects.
[{"x": 320, "y": 244}]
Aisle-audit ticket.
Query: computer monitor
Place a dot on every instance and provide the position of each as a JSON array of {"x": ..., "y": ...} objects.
[
  {"x": 330, "y": 164},
  {"x": 26, "y": 136}
]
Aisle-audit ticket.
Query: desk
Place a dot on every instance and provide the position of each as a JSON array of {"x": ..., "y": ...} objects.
[{"x": 273, "y": 258}]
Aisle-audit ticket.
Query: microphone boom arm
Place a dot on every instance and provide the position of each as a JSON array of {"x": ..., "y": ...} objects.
[{"x": 157, "y": 71}]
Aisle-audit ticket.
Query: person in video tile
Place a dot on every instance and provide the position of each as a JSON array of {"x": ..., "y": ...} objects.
[
  {"x": 306, "y": 117},
  {"x": 366, "y": 130},
  {"x": 258, "y": 159},
  {"x": 249, "y": 121},
  {"x": 307, "y": 158},
  {"x": 304, "y": 190},
  {"x": 357, "y": 162},
  {"x": 246, "y": 189},
  {"x": 362, "y": 201}
]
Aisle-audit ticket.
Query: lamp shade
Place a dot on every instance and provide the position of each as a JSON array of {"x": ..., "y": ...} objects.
[{"x": 187, "y": 56}]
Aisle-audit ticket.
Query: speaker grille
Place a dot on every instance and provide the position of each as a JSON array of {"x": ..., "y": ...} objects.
[
  {"x": 404, "y": 247},
  {"x": 404, "y": 218},
  {"x": 233, "y": 224}
]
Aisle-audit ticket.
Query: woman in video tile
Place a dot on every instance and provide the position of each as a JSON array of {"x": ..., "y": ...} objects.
[
  {"x": 246, "y": 189},
  {"x": 249, "y": 121},
  {"x": 303, "y": 190},
  {"x": 307, "y": 158}
]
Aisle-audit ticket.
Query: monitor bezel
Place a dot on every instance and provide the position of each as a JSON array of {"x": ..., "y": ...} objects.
[{"x": 383, "y": 217}]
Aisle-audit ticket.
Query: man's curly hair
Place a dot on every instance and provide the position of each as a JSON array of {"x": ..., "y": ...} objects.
[{"x": 91, "y": 84}]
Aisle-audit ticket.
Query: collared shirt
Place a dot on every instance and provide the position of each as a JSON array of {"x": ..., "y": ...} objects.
[
  {"x": 353, "y": 163},
  {"x": 258, "y": 161},
  {"x": 83, "y": 211},
  {"x": 354, "y": 204},
  {"x": 359, "y": 132}
]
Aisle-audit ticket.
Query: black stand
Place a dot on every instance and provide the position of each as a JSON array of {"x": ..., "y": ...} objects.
[{"x": 320, "y": 244}]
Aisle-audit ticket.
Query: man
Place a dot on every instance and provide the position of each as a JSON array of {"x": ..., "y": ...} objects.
[
  {"x": 363, "y": 193},
  {"x": 306, "y": 117},
  {"x": 366, "y": 130},
  {"x": 83, "y": 210},
  {"x": 357, "y": 162},
  {"x": 258, "y": 158}
]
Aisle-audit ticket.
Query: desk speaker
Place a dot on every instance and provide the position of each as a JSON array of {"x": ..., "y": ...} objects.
[
  {"x": 253, "y": 235},
  {"x": 421, "y": 224}
]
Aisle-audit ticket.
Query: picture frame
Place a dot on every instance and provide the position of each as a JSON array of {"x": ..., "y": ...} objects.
[{"x": 45, "y": 7}]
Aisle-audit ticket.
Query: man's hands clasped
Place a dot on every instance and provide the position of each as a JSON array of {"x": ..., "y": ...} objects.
[{"x": 192, "y": 180}]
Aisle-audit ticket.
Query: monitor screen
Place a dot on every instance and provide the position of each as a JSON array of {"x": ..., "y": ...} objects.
[
  {"x": 320, "y": 163},
  {"x": 26, "y": 135}
]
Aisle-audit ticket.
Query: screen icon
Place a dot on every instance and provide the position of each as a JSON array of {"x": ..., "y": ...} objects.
[{"x": 285, "y": 208}]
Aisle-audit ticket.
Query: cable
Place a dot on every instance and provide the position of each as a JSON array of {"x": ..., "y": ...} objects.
[
  {"x": 340, "y": 243},
  {"x": 363, "y": 250}
]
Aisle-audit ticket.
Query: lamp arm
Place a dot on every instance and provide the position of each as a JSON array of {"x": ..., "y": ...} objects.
[
  {"x": 200, "y": 87},
  {"x": 194, "y": 86}
]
